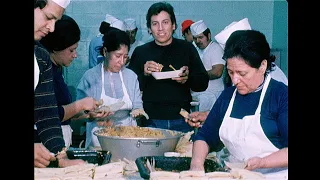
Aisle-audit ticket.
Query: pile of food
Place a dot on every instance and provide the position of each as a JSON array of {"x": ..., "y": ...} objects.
[
  {"x": 132, "y": 132},
  {"x": 233, "y": 174},
  {"x": 88, "y": 171}
]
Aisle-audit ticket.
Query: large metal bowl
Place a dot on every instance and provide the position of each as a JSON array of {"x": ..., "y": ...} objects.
[{"x": 133, "y": 148}]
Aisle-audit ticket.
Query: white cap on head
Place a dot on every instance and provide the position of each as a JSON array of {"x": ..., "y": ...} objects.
[
  {"x": 62, "y": 3},
  {"x": 198, "y": 27},
  {"x": 223, "y": 36},
  {"x": 130, "y": 24},
  {"x": 114, "y": 22}
]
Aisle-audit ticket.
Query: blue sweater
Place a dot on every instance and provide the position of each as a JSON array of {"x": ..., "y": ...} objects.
[{"x": 274, "y": 114}]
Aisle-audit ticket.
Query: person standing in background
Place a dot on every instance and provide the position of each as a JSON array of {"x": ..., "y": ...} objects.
[
  {"x": 96, "y": 42},
  {"x": 185, "y": 30},
  {"x": 211, "y": 55},
  {"x": 62, "y": 45},
  {"x": 244, "y": 24},
  {"x": 163, "y": 99},
  {"x": 48, "y": 137},
  {"x": 131, "y": 30}
]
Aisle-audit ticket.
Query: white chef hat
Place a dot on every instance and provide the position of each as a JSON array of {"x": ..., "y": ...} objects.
[
  {"x": 223, "y": 36},
  {"x": 198, "y": 27},
  {"x": 62, "y": 3},
  {"x": 130, "y": 24},
  {"x": 114, "y": 22}
]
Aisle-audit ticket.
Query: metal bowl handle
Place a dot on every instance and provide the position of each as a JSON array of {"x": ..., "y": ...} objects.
[{"x": 148, "y": 142}]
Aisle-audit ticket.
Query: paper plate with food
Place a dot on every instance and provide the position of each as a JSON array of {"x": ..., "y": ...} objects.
[{"x": 166, "y": 74}]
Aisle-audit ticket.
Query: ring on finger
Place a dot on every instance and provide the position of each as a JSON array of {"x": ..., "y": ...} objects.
[{"x": 147, "y": 68}]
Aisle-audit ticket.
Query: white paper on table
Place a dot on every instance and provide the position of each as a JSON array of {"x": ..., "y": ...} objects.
[{"x": 166, "y": 75}]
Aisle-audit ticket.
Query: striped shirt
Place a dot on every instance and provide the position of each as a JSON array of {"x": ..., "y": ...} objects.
[{"x": 46, "y": 117}]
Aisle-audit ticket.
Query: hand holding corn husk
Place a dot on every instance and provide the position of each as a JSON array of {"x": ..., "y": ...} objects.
[
  {"x": 136, "y": 113},
  {"x": 184, "y": 145}
]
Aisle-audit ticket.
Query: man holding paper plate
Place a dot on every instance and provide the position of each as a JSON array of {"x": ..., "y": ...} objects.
[{"x": 166, "y": 92}]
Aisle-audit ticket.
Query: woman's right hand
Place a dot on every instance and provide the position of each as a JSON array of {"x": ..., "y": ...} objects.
[
  {"x": 197, "y": 118},
  {"x": 64, "y": 161}
]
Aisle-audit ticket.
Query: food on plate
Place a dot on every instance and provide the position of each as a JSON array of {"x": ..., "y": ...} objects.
[
  {"x": 132, "y": 132},
  {"x": 138, "y": 113},
  {"x": 160, "y": 67}
]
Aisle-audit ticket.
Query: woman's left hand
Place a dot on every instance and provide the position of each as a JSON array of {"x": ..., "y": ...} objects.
[{"x": 183, "y": 76}]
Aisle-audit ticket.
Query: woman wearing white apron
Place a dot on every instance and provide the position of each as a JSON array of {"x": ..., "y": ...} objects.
[
  {"x": 239, "y": 139},
  {"x": 120, "y": 117},
  {"x": 250, "y": 118},
  {"x": 112, "y": 82}
]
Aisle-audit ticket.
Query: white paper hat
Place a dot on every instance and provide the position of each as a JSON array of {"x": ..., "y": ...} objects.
[
  {"x": 198, "y": 27},
  {"x": 130, "y": 24},
  {"x": 114, "y": 22},
  {"x": 223, "y": 36},
  {"x": 62, "y": 3}
]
